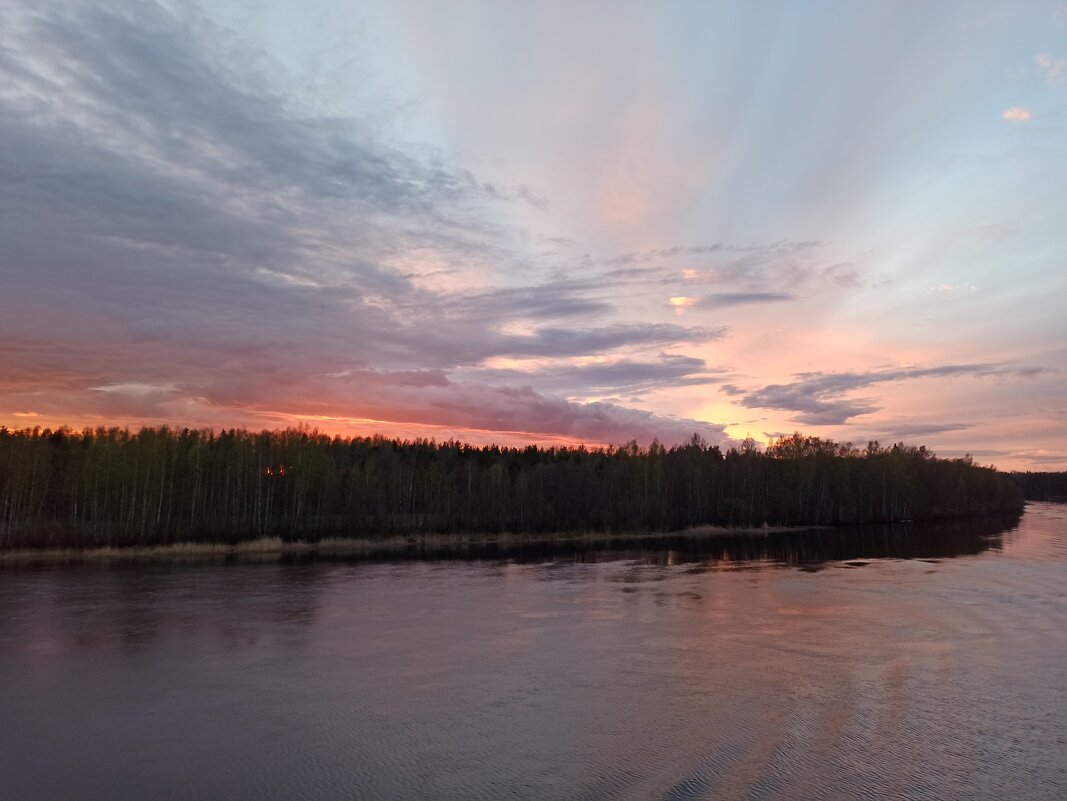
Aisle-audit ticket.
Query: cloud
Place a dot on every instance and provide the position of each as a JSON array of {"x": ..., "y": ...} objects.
[
  {"x": 564, "y": 342},
  {"x": 1016, "y": 114},
  {"x": 760, "y": 273},
  {"x": 903, "y": 431},
  {"x": 842, "y": 274},
  {"x": 1040, "y": 459},
  {"x": 774, "y": 272},
  {"x": 186, "y": 224},
  {"x": 820, "y": 398},
  {"x": 660, "y": 254},
  {"x": 721, "y": 300},
  {"x": 184, "y": 242},
  {"x": 1051, "y": 68},
  {"x": 539, "y": 302},
  {"x": 620, "y": 376},
  {"x": 367, "y": 399}
]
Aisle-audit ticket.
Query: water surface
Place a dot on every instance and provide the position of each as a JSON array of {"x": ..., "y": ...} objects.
[{"x": 891, "y": 663}]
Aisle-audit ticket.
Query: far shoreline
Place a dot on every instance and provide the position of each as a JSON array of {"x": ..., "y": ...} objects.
[{"x": 271, "y": 548}]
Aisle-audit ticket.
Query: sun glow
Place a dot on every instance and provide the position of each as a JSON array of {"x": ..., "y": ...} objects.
[{"x": 682, "y": 302}]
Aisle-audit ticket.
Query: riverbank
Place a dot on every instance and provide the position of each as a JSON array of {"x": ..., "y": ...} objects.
[
  {"x": 429, "y": 545},
  {"x": 64, "y": 489}
]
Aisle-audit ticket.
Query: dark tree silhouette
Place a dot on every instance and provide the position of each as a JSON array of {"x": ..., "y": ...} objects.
[
  {"x": 1042, "y": 486},
  {"x": 158, "y": 485}
]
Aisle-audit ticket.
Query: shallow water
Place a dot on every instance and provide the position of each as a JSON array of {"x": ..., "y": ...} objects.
[{"x": 903, "y": 663}]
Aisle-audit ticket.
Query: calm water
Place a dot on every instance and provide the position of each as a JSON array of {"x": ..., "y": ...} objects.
[{"x": 891, "y": 664}]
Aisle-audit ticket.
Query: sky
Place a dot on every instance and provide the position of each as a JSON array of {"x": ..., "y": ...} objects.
[{"x": 540, "y": 222}]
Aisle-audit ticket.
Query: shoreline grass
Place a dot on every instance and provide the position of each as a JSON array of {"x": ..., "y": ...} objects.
[{"x": 269, "y": 548}]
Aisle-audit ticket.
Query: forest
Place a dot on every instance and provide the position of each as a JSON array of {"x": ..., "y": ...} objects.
[
  {"x": 110, "y": 486},
  {"x": 1042, "y": 486}
]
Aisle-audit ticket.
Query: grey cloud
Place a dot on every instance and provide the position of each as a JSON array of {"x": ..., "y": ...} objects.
[
  {"x": 818, "y": 398},
  {"x": 771, "y": 269},
  {"x": 202, "y": 248},
  {"x": 564, "y": 296},
  {"x": 635, "y": 257},
  {"x": 771, "y": 435},
  {"x": 519, "y": 192},
  {"x": 907, "y": 430},
  {"x": 160, "y": 76},
  {"x": 620, "y": 376},
  {"x": 843, "y": 274},
  {"x": 562, "y": 342},
  {"x": 505, "y": 408},
  {"x": 1042, "y": 460},
  {"x": 718, "y": 300},
  {"x": 785, "y": 268},
  {"x": 419, "y": 398},
  {"x": 199, "y": 212},
  {"x": 553, "y": 301},
  {"x": 144, "y": 143}
]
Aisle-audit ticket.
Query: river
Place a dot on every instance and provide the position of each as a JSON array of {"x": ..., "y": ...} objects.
[{"x": 907, "y": 663}]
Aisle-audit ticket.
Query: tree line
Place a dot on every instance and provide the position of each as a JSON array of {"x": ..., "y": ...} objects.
[
  {"x": 1042, "y": 486},
  {"x": 160, "y": 485}
]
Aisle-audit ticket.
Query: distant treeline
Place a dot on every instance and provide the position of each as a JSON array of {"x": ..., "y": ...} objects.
[
  {"x": 160, "y": 485},
  {"x": 1042, "y": 486}
]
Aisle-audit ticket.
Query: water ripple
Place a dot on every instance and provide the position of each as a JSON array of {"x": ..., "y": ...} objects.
[{"x": 926, "y": 672}]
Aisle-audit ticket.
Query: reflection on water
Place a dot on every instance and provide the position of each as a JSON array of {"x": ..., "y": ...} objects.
[
  {"x": 808, "y": 548},
  {"x": 903, "y": 662}
]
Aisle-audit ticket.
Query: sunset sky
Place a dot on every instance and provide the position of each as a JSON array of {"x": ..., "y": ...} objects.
[{"x": 540, "y": 222}]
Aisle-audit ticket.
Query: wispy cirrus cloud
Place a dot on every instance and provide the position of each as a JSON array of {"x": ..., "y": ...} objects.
[
  {"x": 824, "y": 398},
  {"x": 674, "y": 251},
  {"x": 783, "y": 269},
  {"x": 609, "y": 377},
  {"x": 721, "y": 300},
  {"x": 227, "y": 251},
  {"x": 201, "y": 225},
  {"x": 904, "y": 431},
  {"x": 563, "y": 342}
]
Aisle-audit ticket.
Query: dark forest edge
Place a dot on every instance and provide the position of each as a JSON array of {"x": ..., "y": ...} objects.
[
  {"x": 1042, "y": 486},
  {"x": 159, "y": 486}
]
